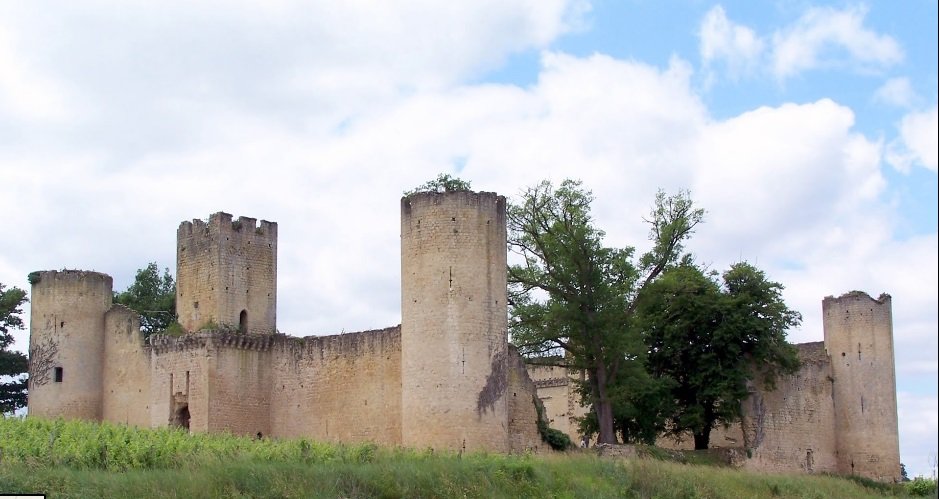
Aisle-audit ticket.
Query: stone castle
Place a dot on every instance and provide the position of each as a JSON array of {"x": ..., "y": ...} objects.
[{"x": 445, "y": 378}]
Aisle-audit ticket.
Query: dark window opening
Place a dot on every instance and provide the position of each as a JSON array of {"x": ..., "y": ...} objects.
[
  {"x": 57, "y": 375},
  {"x": 243, "y": 321}
]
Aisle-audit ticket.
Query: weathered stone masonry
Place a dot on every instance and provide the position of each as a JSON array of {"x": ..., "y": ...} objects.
[{"x": 446, "y": 378}]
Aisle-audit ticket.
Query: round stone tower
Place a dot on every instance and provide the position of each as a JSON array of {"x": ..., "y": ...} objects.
[
  {"x": 859, "y": 339},
  {"x": 66, "y": 343},
  {"x": 453, "y": 321}
]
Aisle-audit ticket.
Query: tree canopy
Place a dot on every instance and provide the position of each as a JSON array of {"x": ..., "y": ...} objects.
[
  {"x": 13, "y": 364},
  {"x": 573, "y": 297},
  {"x": 153, "y": 297},
  {"x": 710, "y": 339},
  {"x": 443, "y": 183}
]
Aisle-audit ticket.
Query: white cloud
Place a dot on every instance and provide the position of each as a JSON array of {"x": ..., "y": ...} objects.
[
  {"x": 896, "y": 92},
  {"x": 721, "y": 39},
  {"x": 917, "y": 143},
  {"x": 826, "y": 37},
  {"x": 24, "y": 92}
]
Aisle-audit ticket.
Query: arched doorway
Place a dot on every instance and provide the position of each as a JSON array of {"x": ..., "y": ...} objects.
[{"x": 243, "y": 321}]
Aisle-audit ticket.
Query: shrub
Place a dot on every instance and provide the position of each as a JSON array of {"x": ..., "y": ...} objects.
[{"x": 921, "y": 486}]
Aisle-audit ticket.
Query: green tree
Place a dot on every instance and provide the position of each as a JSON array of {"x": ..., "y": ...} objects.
[
  {"x": 712, "y": 340},
  {"x": 12, "y": 364},
  {"x": 573, "y": 297},
  {"x": 443, "y": 183},
  {"x": 153, "y": 297}
]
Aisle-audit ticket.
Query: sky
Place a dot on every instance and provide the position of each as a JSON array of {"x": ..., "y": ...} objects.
[{"x": 806, "y": 130}]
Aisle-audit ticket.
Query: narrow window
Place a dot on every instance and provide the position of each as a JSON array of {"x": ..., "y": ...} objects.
[
  {"x": 57, "y": 375},
  {"x": 243, "y": 321}
]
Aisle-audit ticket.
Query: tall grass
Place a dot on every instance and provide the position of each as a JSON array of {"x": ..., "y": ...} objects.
[{"x": 75, "y": 459}]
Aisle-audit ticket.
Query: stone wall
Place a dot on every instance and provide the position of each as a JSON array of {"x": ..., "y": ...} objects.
[
  {"x": 226, "y": 273},
  {"x": 239, "y": 381},
  {"x": 792, "y": 428},
  {"x": 342, "y": 388},
  {"x": 66, "y": 343},
  {"x": 454, "y": 321},
  {"x": 126, "y": 376}
]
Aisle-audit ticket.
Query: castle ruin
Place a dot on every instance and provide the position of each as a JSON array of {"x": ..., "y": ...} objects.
[{"x": 445, "y": 378}]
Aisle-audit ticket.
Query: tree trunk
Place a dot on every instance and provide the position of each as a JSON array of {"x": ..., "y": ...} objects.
[
  {"x": 604, "y": 408},
  {"x": 702, "y": 439}
]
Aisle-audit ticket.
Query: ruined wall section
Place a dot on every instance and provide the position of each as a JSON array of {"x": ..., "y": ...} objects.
[
  {"x": 523, "y": 415},
  {"x": 454, "y": 321},
  {"x": 791, "y": 429},
  {"x": 859, "y": 338},
  {"x": 340, "y": 388},
  {"x": 126, "y": 390},
  {"x": 226, "y": 273},
  {"x": 66, "y": 343},
  {"x": 179, "y": 380}
]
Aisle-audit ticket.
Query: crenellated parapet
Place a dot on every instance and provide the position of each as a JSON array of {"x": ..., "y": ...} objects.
[
  {"x": 162, "y": 343},
  {"x": 221, "y": 223}
]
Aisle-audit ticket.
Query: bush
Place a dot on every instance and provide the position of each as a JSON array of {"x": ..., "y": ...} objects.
[{"x": 921, "y": 486}]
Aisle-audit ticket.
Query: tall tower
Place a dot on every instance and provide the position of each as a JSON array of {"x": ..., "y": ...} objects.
[
  {"x": 453, "y": 321},
  {"x": 859, "y": 339},
  {"x": 66, "y": 343},
  {"x": 226, "y": 273}
]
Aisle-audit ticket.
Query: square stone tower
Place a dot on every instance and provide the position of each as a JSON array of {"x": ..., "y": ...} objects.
[{"x": 226, "y": 274}]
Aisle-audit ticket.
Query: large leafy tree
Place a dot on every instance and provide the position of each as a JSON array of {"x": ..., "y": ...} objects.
[
  {"x": 12, "y": 364},
  {"x": 712, "y": 339},
  {"x": 574, "y": 298},
  {"x": 153, "y": 297}
]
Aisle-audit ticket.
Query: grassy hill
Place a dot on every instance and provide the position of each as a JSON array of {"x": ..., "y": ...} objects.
[{"x": 75, "y": 459}]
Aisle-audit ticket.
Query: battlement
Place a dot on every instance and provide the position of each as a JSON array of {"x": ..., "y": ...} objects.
[{"x": 221, "y": 223}]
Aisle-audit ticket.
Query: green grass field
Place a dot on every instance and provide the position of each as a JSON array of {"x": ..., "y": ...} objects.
[{"x": 75, "y": 459}]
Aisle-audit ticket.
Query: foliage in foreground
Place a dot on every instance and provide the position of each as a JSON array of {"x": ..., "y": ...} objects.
[{"x": 77, "y": 459}]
